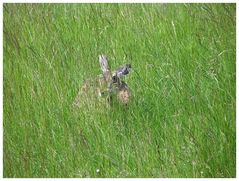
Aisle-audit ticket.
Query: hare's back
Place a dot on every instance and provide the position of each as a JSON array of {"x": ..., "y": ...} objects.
[{"x": 90, "y": 90}]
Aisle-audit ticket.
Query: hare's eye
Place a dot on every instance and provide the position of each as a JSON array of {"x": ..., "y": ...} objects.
[{"x": 114, "y": 79}]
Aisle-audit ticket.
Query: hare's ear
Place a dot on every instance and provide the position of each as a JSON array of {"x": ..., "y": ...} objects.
[
  {"x": 103, "y": 63},
  {"x": 123, "y": 70}
]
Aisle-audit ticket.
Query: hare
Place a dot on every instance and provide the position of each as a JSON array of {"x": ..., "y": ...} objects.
[{"x": 107, "y": 85}]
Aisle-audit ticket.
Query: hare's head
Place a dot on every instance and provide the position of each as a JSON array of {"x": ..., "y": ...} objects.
[
  {"x": 116, "y": 75},
  {"x": 113, "y": 79}
]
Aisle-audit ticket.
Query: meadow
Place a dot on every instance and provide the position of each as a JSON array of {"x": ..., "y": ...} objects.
[{"x": 181, "y": 121}]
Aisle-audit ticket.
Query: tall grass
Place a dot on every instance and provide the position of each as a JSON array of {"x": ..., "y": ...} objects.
[{"x": 181, "y": 120}]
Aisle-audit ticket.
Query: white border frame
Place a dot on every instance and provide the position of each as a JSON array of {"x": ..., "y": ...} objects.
[{"x": 110, "y": 1}]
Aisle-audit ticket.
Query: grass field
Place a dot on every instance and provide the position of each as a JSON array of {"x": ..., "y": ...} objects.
[{"x": 181, "y": 121}]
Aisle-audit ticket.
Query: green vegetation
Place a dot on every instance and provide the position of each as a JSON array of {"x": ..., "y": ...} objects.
[{"x": 181, "y": 121}]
